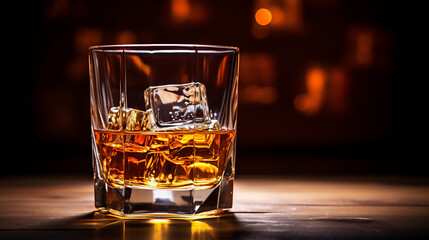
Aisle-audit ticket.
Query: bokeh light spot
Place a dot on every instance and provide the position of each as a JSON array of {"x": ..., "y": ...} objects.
[{"x": 263, "y": 16}]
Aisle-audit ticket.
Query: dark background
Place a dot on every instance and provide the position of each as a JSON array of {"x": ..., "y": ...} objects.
[{"x": 327, "y": 87}]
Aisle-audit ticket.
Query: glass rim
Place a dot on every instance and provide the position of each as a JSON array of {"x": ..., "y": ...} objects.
[{"x": 123, "y": 47}]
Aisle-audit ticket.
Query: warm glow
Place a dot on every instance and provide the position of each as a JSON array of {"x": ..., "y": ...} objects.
[
  {"x": 258, "y": 94},
  {"x": 301, "y": 102},
  {"x": 364, "y": 48},
  {"x": 324, "y": 88},
  {"x": 280, "y": 16},
  {"x": 315, "y": 80},
  {"x": 258, "y": 79},
  {"x": 160, "y": 229},
  {"x": 126, "y": 37},
  {"x": 180, "y": 9},
  {"x": 263, "y": 16},
  {"x": 311, "y": 102},
  {"x": 86, "y": 37},
  {"x": 159, "y": 220},
  {"x": 259, "y": 32},
  {"x": 338, "y": 91},
  {"x": 292, "y": 15},
  {"x": 201, "y": 230}
]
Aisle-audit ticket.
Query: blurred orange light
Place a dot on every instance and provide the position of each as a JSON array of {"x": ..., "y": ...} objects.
[
  {"x": 301, "y": 102},
  {"x": 201, "y": 230},
  {"x": 263, "y": 16},
  {"x": 315, "y": 80},
  {"x": 86, "y": 37},
  {"x": 278, "y": 16},
  {"x": 311, "y": 102},
  {"x": 364, "y": 48},
  {"x": 126, "y": 37},
  {"x": 338, "y": 91},
  {"x": 258, "y": 79},
  {"x": 181, "y": 9},
  {"x": 257, "y": 94}
]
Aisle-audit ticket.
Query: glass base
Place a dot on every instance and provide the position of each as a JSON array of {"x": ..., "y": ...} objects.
[
  {"x": 210, "y": 214},
  {"x": 129, "y": 202}
]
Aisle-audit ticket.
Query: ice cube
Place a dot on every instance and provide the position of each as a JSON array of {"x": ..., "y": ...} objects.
[
  {"x": 117, "y": 118},
  {"x": 178, "y": 106},
  {"x": 138, "y": 120},
  {"x": 129, "y": 119},
  {"x": 210, "y": 125}
]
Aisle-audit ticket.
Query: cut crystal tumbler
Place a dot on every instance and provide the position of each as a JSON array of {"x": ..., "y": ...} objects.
[{"x": 163, "y": 122}]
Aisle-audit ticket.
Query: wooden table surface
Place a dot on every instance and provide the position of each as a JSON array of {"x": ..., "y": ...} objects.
[{"x": 264, "y": 208}]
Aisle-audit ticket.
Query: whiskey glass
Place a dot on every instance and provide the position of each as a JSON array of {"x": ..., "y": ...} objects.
[{"x": 163, "y": 128}]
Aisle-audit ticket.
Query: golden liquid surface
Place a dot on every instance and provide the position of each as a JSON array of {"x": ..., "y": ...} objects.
[{"x": 163, "y": 159}]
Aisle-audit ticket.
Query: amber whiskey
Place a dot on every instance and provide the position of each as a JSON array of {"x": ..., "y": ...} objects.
[{"x": 176, "y": 159}]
